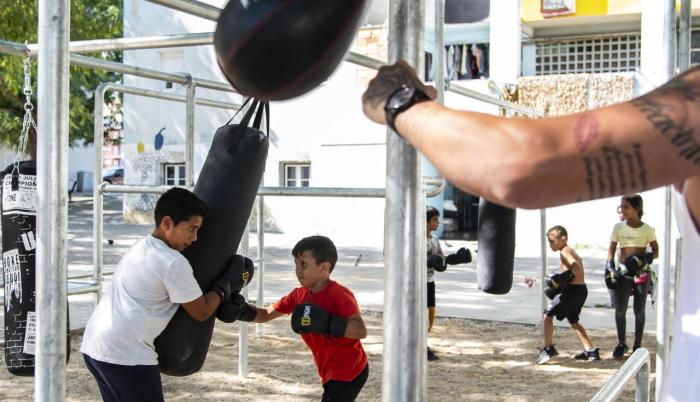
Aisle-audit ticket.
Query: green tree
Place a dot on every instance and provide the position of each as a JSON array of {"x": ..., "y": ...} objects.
[{"x": 90, "y": 19}]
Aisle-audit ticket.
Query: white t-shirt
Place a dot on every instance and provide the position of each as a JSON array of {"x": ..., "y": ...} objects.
[
  {"x": 434, "y": 248},
  {"x": 149, "y": 284},
  {"x": 680, "y": 383}
]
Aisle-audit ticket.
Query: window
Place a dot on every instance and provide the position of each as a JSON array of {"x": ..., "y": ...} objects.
[
  {"x": 588, "y": 55},
  {"x": 297, "y": 174},
  {"x": 695, "y": 47},
  {"x": 174, "y": 174}
]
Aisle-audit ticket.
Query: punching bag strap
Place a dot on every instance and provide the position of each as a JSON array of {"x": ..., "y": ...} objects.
[
  {"x": 264, "y": 108},
  {"x": 239, "y": 110}
]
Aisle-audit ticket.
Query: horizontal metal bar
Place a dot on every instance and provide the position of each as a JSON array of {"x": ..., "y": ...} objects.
[
  {"x": 265, "y": 191},
  {"x": 17, "y": 49},
  {"x": 364, "y": 61},
  {"x": 192, "y": 7},
  {"x": 81, "y": 289},
  {"x": 13, "y": 48},
  {"x": 85, "y": 276},
  {"x": 147, "y": 42},
  {"x": 170, "y": 96},
  {"x": 470, "y": 93},
  {"x": 617, "y": 382}
]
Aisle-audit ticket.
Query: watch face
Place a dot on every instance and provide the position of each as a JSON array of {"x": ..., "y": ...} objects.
[{"x": 400, "y": 97}]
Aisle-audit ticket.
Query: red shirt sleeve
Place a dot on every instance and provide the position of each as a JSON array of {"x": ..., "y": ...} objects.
[
  {"x": 347, "y": 304},
  {"x": 286, "y": 304}
]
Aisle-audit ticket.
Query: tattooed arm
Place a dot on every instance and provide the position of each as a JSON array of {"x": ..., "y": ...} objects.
[{"x": 648, "y": 142}]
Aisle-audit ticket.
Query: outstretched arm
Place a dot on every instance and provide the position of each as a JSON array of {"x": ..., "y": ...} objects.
[{"x": 645, "y": 143}]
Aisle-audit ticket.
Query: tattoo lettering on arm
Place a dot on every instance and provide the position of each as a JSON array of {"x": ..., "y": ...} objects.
[
  {"x": 614, "y": 169},
  {"x": 670, "y": 116}
]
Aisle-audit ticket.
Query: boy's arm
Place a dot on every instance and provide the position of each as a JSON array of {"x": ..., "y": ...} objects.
[
  {"x": 570, "y": 259},
  {"x": 654, "y": 248},
  {"x": 266, "y": 314},
  {"x": 202, "y": 307},
  {"x": 611, "y": 251},
  {"x": 356, "y": 328}
]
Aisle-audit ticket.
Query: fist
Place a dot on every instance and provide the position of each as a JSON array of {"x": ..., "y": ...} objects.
[{"x": 389, "y": 79}]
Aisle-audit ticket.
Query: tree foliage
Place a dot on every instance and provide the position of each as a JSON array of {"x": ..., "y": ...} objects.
[{"x": 90, "y": 19}]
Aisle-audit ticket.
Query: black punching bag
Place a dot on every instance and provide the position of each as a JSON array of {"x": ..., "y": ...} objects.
[
  {"x": 228, "y": 184},
  {"x": 19, "y": 202},
  {"x": 496, "y": 234},
  {"x": 280, "y": 49}
]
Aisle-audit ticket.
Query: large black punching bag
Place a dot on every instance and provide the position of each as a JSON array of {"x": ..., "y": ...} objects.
[
  {"x": 496, "y": 237},
  {"x": 228, "y": 184},
  {"x": 19, "y": 202},
  {"x": 280, "y": 49}
]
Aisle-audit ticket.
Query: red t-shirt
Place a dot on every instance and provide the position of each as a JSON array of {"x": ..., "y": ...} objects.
[{"x": 339, "y": 359}]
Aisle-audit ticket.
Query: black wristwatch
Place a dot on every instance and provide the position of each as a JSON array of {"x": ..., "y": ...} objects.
[{"x": 400, "y": 100}]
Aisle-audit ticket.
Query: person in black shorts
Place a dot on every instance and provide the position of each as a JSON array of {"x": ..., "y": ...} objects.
[{"x": 568, "y": 292}]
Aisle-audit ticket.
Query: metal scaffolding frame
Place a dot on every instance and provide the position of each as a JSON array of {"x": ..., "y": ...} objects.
[{"x": 404, "y": 365}]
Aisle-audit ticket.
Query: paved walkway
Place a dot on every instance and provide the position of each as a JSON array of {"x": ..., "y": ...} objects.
[{"x": 361, "y": 269}]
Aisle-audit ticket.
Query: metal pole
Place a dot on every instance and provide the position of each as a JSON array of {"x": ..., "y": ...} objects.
[
  {"x": 147, "y": 42},
  {"x": 52, "y": 208},
  {"x": 97, "y": 200},
  {"x": 260, "y": 328},
  {"x": 685, "y": 23},
  {"x": 193, "y": 7},
  {"x": 658, "y": 64},
  {"x": 190, "y": 132},
  {"x": 405, "y": 329},
  {"x": 439, "y": 54},
  {"x": 543, "y": 261}
]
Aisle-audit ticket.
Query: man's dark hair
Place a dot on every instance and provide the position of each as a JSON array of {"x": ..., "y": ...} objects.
[
  {"x": 431, "y": 212},
  {"x": 179, "y": 204},
  {"x": 559, "y": 229},
  {"x": 636, "y": 202},
  {"x": 322, "y": 248}
]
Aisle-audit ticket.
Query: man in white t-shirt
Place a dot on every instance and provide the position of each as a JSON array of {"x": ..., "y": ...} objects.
[
  {"x": 648, "y": 142},
  {"x": 151, "y": 281}
]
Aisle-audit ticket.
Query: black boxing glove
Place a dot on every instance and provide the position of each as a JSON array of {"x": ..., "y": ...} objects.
[
  {"x": 309, "y": 317},
  {"x": 462, "y": 256},
  {"x": 437, "y": 262}
]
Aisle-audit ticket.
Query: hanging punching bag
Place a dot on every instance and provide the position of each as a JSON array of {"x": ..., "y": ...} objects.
[
  {"x": 496, "y": 237},
  {"x": 18, "y": 206},
  {"x": 280, "y": 49},
  {"x": 228, "y": 184}
]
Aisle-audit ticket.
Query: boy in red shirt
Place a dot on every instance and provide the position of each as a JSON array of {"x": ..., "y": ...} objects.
[{"x": 328, "y": 318}]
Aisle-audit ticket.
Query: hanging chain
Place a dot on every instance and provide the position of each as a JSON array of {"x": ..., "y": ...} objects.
[{"x": 28, "y": 121}]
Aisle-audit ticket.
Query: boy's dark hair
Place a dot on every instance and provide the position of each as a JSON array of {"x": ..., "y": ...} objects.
[
  {"x": 559, "y": 229},
  {"x": 431, "y": 212},
  {"x": 322, "y": 248},
  {"x": 636, "y": 202},
  {"x": 179, "y": 204}
]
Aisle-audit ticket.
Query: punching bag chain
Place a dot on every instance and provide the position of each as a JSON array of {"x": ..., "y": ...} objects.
[{"x": 28, "y": 121}]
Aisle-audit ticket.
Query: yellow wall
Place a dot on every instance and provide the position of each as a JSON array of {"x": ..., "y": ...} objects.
[{"x": 530, "y": 9}]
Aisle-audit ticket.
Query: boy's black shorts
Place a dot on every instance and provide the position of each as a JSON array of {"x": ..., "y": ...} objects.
[
  {"x": 342, "y": 391},
  {"x": 568, "y": 303},
  {"x": 431, "y": 294}
]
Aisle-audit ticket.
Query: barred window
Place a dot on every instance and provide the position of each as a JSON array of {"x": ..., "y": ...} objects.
[{"x": 588, "y": 55}]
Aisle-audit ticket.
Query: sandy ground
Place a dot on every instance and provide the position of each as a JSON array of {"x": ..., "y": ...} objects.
[{"x": 479, "y": 361}]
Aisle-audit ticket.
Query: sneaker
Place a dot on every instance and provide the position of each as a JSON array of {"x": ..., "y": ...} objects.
[
  {"x": 588, "y": 355},
  {"x": 546, "y": 354},
  {"x": 620, "y": 350},
  {"x": 432, "y": 356}
]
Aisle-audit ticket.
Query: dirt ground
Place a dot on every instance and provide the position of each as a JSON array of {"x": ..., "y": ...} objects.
[{"x": 479, "y": 361}]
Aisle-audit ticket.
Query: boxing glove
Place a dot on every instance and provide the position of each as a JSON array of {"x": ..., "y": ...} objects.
[
  {"x": 612, "y": 275},
  {"x": 634, "y": 264},
  {"x": 556, "y": 283},
  {"x": 462, "y": 256},
  {"x": 242, "y": 271},
  {"x": 437, "y": 262},
  {"x": 309, "y": 317},
  {"x": 236, "y": 309}
]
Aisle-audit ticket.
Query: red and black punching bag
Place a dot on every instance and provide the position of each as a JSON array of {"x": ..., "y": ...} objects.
[
  {"x": 228, "y": 184},
  {"x": 280, "y": 49},
  {"x": 18, "y": 206}
]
